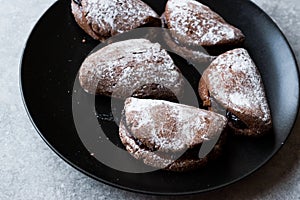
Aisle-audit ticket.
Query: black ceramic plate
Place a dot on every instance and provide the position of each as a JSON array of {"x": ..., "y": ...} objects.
[{"x": 55, "y": 51}]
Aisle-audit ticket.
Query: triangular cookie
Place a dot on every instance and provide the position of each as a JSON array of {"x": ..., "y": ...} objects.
[
  {"x": 102, "y": 19},
  {"x": 157, "y": 131},
  {"x": 135, "y": 67},
  {"x": 233, "y": 81},
  {"x": 193, "y": 23}
]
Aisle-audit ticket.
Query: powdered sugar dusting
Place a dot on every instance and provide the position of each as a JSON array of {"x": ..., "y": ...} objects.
[
  {"x": 234, "y": 81},
  {"x": 119, "y": 69},
  {"x": 150, "y": 158},
  {"x": 170, "y": 126},
  {"x": 198, "y": 25},
  {"x": 116, "y": 16}
]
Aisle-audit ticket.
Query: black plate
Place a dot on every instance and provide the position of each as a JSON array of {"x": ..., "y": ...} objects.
[{"x": 55, "y": 51}]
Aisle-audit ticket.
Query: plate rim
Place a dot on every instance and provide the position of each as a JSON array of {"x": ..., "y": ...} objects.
[{"x": 210, "y": 189}]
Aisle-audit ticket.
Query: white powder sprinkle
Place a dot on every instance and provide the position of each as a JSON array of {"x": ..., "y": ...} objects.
[
  {"x": 171, "y": 126},
  {"x": 198, "y": 24},
  {"x": 109, "y": 15},
  {"x": 234, "y": 81},
  {"x": 123, "y": 67}
]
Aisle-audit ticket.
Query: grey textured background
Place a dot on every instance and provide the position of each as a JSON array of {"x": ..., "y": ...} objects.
[{"x": 30, "y": 170}]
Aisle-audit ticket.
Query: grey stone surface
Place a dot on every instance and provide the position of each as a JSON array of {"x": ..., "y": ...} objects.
[{"x": 30, "y": 170}]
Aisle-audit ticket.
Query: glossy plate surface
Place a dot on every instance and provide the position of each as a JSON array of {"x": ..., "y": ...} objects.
[{"x": 55, "y": 51}]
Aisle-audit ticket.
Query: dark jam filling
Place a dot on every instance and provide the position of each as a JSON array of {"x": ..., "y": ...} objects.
[
  {"x": 78, "y": 2},
  {"x": 137, "y": 141},
  {"x": 235, "y": 121},
  {"x": 152, "y": 22},
  {"x": 140, "y": 144}
]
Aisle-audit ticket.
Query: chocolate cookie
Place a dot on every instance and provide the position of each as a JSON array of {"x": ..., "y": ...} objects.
[
  {"x": 193, "y": 23},
  {"x": 133, "y": 67},
  {"x": 168, "y": 135},
  {"x": 196, "y": 55},
  {"x": 102, "y": 19},
  {"x": 234, "y": 82}
]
